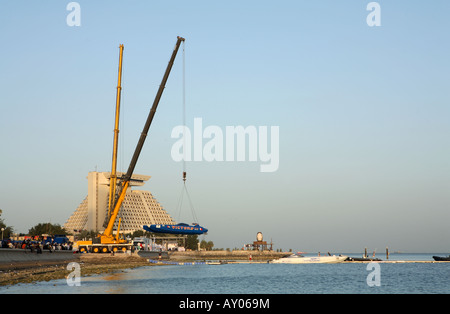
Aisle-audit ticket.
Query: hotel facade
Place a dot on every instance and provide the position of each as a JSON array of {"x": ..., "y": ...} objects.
[{"x": 138, "y": 208}]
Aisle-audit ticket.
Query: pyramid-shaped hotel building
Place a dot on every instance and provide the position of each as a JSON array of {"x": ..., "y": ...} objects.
[{"x": 139, "y": 207}]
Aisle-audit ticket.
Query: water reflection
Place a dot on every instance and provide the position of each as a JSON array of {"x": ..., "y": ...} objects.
[
  {"x": 115, "y": 283},
  {"x": 264, "y": 278}
]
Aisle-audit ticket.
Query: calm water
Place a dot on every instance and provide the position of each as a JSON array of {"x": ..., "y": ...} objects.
[{"x": 261, "y": 279}]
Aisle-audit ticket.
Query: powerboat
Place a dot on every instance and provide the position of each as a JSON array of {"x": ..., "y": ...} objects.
[
  {"x": 441, "y": 259},
  {"x": 180, "y": 228},
  {"x": 300, "y": 259}
]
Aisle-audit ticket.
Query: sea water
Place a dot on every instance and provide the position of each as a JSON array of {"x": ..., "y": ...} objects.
[{"x": 262, "y": 278}]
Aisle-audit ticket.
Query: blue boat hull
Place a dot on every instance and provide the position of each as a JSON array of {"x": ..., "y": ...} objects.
[{"x": 176, "y": 229}]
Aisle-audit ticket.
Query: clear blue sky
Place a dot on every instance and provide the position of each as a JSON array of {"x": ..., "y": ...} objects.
[{"x": 363, "y": 113}]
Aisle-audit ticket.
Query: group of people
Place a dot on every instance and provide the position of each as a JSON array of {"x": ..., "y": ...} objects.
[
  {"x": 36, "y": 246},
  {"x": 58, "y": 246}
]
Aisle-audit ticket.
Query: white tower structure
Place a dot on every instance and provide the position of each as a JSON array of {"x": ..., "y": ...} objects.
[{"x": 139, "y": 207}]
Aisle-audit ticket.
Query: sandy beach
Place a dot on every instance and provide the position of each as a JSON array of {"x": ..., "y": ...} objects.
[{"x": 28, "y": 272}]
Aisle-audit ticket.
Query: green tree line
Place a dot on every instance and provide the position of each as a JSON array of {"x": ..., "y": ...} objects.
[{"x": 191, "y": 242}]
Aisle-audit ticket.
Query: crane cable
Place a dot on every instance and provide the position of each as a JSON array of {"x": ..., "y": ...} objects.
[{"x": 184, "y": 189}]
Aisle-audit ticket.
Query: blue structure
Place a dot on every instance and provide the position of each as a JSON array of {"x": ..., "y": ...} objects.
[{"x": 180, "y": 228}]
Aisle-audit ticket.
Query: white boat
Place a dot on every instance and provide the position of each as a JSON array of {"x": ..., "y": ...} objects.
[{"x": 300, "y": 259}]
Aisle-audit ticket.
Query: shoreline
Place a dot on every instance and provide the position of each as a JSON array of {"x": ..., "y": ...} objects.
[
  {"x": 29, "y": 271},
  {"x": 36, "y": 268}
]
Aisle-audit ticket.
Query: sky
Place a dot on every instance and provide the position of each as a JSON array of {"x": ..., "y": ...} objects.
[{"x": 363, "y": 114}]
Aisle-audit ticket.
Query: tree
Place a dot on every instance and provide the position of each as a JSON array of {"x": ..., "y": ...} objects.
[
  {"x": 137, "y": 233},
  {"x": 46, "y": 228},
  {"x": 7, "y": 231},
  {"x": 85, "y": 234},
  {"x": 207, "y": 245},
  {"x": 192, "y": 242}
]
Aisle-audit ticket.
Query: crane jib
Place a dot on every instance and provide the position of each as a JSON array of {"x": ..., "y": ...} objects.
[{"x": 123, "y": 185}]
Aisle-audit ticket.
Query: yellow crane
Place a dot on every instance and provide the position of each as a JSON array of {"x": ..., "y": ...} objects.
[
  {"x": 113, "y": 175},
  {"x": 107, "y": 242}
]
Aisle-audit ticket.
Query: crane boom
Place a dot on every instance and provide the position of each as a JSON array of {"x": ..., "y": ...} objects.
[
  {"x": 125, "y": 181},
  {"x": 113, "y": 176}
]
